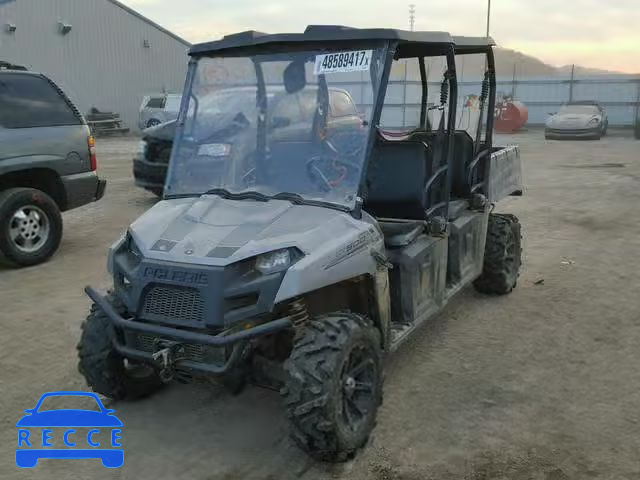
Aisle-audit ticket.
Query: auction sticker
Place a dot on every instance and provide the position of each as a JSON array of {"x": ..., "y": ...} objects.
[{"x": 338, "y": 62}]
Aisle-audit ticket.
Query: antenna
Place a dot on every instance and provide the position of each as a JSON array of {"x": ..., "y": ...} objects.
[{"x": 412, "y": 16}]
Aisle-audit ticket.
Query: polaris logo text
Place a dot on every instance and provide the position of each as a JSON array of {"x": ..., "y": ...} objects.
[{"x": 178, "y": 276}]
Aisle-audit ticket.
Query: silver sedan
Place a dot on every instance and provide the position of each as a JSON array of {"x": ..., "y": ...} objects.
[{"x": 577, "y": 120}]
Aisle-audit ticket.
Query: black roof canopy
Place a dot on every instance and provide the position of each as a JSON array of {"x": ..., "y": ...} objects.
[
  {"x": 470, "y": 45},
  {"x": 319, "y": 34}
]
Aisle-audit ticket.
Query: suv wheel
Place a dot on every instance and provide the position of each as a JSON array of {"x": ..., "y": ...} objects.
[
  {"x": 502, "y": 255},
  {"x": 333, "y": 385},
  {"x": 104, "y": 369},
  {"x": 30, "y": 226}
]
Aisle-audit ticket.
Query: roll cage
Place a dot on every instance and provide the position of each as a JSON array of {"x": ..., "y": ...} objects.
[{"x": 439, "y": 146}]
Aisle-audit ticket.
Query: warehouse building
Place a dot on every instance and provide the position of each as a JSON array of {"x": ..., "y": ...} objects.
[{"x": 101, "y": 52}]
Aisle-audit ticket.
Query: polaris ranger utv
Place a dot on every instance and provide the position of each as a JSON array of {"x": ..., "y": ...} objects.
[{"x": 298, "y": 251}]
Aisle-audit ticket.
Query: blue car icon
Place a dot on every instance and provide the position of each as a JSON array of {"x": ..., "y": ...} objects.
[{"x": 29, "y": 452}]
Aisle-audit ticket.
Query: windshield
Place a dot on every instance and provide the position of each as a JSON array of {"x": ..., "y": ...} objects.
[
  {"x": 579, "y": 110},
  {"x": 294, "y": 124}
]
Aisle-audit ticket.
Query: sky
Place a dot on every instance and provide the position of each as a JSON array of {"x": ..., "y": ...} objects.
[{"x": 591, "y": 33}]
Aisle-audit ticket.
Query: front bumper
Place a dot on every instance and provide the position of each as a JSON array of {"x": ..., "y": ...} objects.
[
  {"x": 237, "y": 340},
  {"x": 575, "y": 133},
  {"x": 149, "y": 175},
  {"x": 83, "y": 188}
]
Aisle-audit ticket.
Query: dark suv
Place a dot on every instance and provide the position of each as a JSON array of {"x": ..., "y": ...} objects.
[
  {"x": 289, "y": 111},
  {"x": 47, "y": 165}
]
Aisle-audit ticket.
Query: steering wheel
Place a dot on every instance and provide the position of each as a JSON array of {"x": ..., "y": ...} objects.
[
  {"x": 337, "y": 162},
  {"x": 316, "y": 173}
]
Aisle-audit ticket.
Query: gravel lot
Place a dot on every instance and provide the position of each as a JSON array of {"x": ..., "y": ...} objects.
[{"x": 541, "y": 384}]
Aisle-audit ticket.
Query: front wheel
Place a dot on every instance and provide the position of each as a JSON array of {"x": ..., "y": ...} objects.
[
  {"x": 333, "y": 385},
  {"x": 104, "y": 369},
  {"x": 502, "y": 255},
  {"x": 158, "y": 192},
  {"x": 30, "y": 226}
]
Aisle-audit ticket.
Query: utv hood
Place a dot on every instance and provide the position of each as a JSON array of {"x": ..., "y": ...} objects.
[
  {"x": 210, "y": 230},
  {"x": 164, "y": 131}
]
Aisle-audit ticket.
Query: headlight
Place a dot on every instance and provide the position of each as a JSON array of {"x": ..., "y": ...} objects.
[
  {"x": 273, "y": 262},
  {"x": 142, "y": 148},
  {"x": 594, "y": 121}
]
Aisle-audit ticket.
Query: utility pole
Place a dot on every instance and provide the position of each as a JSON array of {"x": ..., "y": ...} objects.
[
  {"x": 412, "y": 16},
  {"x": 573, "y": 77},
  {"x": 488, "y": 16}
]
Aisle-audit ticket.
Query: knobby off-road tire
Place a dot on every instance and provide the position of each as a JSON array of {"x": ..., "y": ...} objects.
[
  {"x": 30, "y": 226},
  {"x": 158, "y": 192},
  {"x": 502, "y": 255},
  {"x": 333, "y": 385},
  {"x": 103, "y": 367}
]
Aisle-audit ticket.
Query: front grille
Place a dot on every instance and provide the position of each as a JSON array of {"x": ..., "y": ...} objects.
[
  {"x": 570, "y": 131},
  {"x": 158, "y": 152},
  {"x": 189, "y": 351},
  {"x": 173, "y": 304}
]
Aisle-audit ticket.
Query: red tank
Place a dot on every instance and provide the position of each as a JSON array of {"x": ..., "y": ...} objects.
[{"x": 510, "y": 116}]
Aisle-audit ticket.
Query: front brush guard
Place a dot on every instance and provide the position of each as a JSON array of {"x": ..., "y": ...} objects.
[{"x": 237, "y": 340}]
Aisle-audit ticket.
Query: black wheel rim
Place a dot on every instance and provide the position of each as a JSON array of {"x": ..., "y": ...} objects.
[{"x": 358, "y": 387}]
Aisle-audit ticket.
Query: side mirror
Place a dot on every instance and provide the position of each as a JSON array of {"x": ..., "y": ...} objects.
[
  {"x": 551, "y": 113},
  {"x": 295, "y": 77},
  {"x": 280, "y": 122},
  {"x": 29, "y": 410},
  {"x": 109, "y": 411}
]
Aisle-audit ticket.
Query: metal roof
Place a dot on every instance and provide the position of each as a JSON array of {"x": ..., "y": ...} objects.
[
  {"x": 320, "y": 33},
  {"x": 150, "y": 22}
]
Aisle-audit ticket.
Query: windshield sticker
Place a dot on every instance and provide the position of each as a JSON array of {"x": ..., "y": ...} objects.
[{"x": 340, "y": 62}]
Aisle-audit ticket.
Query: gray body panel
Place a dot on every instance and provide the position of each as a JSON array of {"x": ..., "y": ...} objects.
[
  {"x": 61, "y": 149},
  {"x": 506, "y": 173},
  {"x": 202, "y": 243},
  {"x": 430, "y": 270}
]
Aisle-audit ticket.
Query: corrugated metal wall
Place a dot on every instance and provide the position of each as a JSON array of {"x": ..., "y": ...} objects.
[
  {"x": 102, "y": 61},
  {"x": 618, "y": 94}
]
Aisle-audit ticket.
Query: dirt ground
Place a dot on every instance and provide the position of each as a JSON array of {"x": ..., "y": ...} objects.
[{"x": 541, "y": 384}]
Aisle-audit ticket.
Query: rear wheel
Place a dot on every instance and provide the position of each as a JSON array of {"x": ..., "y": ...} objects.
[
  {"x": 333, "y": 385},
  {"x": 502, "y": 255},
  {"x": 30, "y": 226},
  {"x": 104, "y": 369}
]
